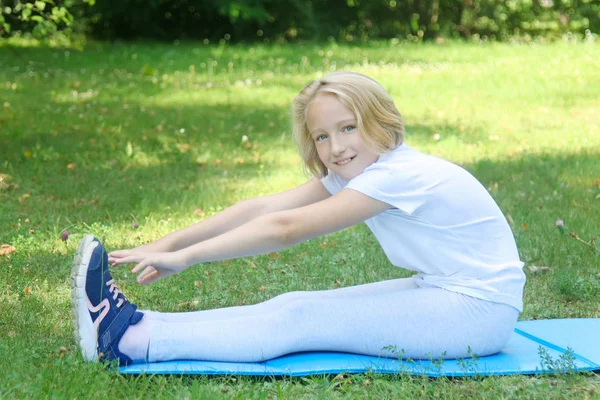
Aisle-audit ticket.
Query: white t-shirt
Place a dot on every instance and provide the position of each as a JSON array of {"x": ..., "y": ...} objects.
[{"x": 444, "y": 225}]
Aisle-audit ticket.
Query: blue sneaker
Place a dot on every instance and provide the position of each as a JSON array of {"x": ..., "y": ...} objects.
[{"x": 101, "y": 313}]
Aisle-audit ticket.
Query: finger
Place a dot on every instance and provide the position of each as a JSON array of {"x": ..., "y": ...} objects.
[
  {"x": 149, "y": 275},
  {"x": 115, "y": 263},
  {"x": 119, "y": 262},
  {"x": 141, "y": 265},
  {"x": 120, "y": 253},
  {"x": 122, "y": 260},
  {"x": 133, "y": 259},
  {"x": 112, "y": 260}
]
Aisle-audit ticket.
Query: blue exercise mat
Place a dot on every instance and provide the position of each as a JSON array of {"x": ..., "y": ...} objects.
[{"x": 554, "y": 345}]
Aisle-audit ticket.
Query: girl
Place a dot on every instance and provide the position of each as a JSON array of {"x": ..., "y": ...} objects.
[{"x": 429, "y": 216}]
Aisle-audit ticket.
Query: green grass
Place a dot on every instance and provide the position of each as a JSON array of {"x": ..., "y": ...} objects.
[{"x": 151, "y": 133}]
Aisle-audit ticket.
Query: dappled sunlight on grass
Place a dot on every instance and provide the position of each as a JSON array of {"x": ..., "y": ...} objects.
[
  {"x": 247, "y": 96},
  {"x": 29, "y": 297}
]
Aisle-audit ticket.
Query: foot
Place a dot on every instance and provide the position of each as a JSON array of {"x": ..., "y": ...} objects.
[{"x": 101, "y": 313}]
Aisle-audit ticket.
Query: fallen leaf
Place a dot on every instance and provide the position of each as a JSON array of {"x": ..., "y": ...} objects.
[
  {"x": 597, "y": 182},
  {"x": 534, "y": 268},
  {"x": 524, "y": 225},
  {"x": 24, "y": 197},
  {"x": 183, "y": 147},
  {"x": 199, "y": 212},
  {"x": 189, "y": 305},
  {"x": 6, "y": 249},
  {"x": 12, "y": 334},
  {"x": 27, "y": 290},
  {"x": 4, "y": 185},
  {"x": 71, "y": 166}
]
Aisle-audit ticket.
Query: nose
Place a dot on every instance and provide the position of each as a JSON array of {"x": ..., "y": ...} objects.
[{"x": 337, "y": 145}]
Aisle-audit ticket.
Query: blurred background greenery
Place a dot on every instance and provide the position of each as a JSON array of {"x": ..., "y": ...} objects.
[{"x": 297, "y": 20}]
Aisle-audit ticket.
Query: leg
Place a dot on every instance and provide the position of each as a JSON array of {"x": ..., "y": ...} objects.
[
  {"x": 285, "y": 298},
  {"x": 136, "y": 338},
  {"x": 420, "y": 323}
]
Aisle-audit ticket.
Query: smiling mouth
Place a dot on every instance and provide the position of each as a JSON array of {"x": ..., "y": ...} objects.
[{"x": 344, "y": 161}]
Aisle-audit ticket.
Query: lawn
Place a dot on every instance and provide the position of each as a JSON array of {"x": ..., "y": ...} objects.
[{"x": 130, "y": 141}]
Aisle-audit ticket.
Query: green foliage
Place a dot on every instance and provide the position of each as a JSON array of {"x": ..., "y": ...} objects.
[
  {"x": 268, "y": 20},
  {"x": 563, "y": 364},
  {"x": 42, "y": 18}
]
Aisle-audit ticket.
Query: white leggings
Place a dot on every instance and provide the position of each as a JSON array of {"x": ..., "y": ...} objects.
[{"x": 392, "y": 318}]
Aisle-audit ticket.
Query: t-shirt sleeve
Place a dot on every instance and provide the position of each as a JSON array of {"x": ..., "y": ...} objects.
[
  {"x": 402, "y": 188},
  {"x": 333, "y": 183}
]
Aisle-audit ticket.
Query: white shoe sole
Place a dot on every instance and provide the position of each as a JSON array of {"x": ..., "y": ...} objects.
[{"x": 85, "y": 333}]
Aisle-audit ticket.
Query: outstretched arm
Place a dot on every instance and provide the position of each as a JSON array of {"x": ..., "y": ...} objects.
[
  {"x": 236, "y": 215},
  {"x": 264, "y": 234}
]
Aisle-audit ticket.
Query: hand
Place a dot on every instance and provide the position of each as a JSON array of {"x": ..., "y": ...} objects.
[{"x": 153, "y": 266}]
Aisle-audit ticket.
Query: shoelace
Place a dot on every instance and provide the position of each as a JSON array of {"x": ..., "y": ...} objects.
[{"x": 112, "y": 288}]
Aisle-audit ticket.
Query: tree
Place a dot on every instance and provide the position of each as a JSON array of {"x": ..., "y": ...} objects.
[{"x": 44, "y": 19}]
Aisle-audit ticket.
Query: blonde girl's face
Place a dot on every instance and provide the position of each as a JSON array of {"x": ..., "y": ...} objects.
[{"x": 333, "y": 128}]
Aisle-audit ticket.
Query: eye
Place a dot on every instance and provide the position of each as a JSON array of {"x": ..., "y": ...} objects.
[
  {"x": 348, "y": 128},
  {"x": 320, "y": 138}
]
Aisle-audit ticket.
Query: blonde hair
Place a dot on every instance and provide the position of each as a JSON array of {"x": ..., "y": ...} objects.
[{"x": 379, "y": 122}]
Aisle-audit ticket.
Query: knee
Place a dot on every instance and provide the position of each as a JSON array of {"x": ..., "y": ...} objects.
[
  {"x": 288, "y": 297},
  {"x": 298, "y": 308}
]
